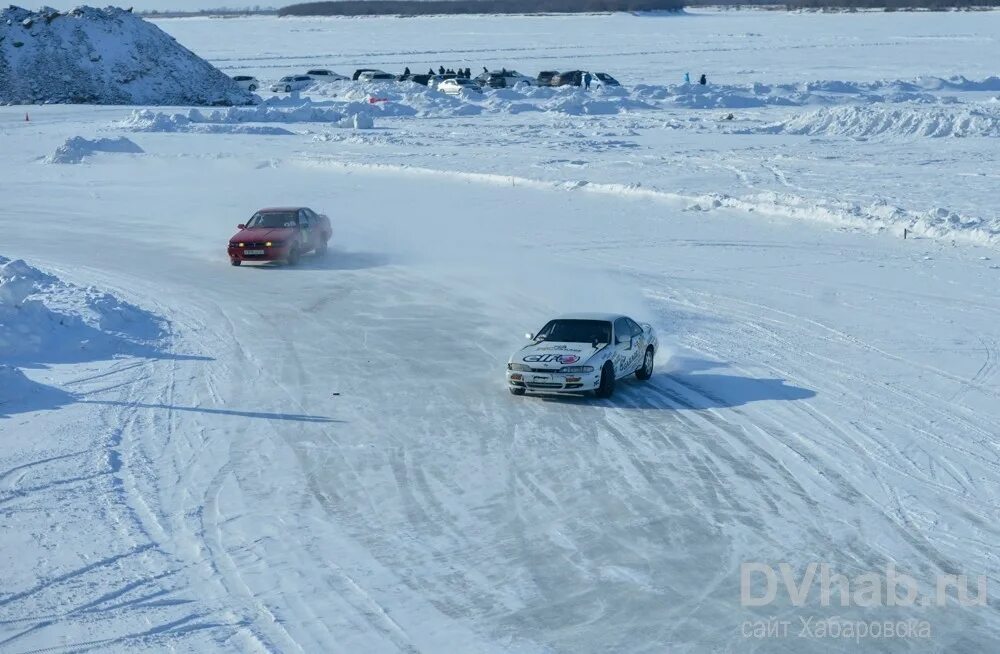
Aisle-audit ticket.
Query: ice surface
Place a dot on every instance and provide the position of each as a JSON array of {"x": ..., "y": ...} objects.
[{"x": 323, "y": 458}]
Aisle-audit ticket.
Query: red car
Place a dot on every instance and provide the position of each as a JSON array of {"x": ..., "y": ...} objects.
[{"x": 280, "y": 234}]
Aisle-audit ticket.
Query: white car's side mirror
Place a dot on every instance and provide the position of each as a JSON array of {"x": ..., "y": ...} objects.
[{"x": 529, "y": 336}]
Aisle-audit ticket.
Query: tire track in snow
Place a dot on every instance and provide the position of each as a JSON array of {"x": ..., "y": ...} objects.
[{"x": 898, "y": 516}]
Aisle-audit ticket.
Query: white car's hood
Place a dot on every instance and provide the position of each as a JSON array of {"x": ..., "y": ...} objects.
[{"x": 550, "y": 355}]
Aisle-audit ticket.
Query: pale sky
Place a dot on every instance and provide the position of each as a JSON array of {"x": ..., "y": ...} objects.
[{"x": 161, "y": 5}]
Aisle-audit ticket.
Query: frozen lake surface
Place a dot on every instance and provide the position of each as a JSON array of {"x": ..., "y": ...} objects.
[{"x": 323, "y": 458}]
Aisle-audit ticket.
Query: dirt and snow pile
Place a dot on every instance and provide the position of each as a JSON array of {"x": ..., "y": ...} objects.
[
  {"x": 77, "y": 148},
  {"x": 102, "y": 56},
  {"x": 864, "y": 122}
]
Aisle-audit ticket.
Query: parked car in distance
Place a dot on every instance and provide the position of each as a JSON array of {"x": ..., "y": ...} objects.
[
  {"x": 364, "y": 71},
  {"x": 247, "y": 82},
  {"x": 324, "y": 75},
  {"x": 280, "y": 234},
  {"x": 434, "y": 80},
  {"x": 545, "y": 77},
  {"x": 292, "y": 83},
  {"x": 454, "y": 86},
  {"x": 373, "y": 75},
  {"x": 605, "y": 79},
  {"x": 569, "y": 78},
  {"x": 503, "y": 79},
  {"x": 418, "y": 78}
]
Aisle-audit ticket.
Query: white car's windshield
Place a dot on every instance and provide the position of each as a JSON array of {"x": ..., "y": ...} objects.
[
  {"x": 273, "y": 219},
  {"x": 576, "y": 331}
]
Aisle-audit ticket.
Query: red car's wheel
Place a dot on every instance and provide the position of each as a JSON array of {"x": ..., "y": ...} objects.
[{"x": 235, "y": 262}]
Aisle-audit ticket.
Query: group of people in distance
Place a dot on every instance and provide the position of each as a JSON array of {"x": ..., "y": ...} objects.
[
  {"x": 466, "y": 73},
  {"x": 457, "y": 72}
]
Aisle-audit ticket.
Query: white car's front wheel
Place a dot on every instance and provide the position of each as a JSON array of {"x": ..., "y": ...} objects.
[
  {"x": 607, "y": 386},
  {"x": 646, "y": 371},
  {"x": 515, "y": 390}
]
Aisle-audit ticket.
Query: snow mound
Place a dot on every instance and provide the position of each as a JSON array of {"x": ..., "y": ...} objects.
[
  {"x": 44, "y": 318},
  {"x": 819, "y": 92},
  {"x": 102, "y": 56},
  {"x": 236, "y": 119},
  {"x": 409, "y": 99},
  {"x": 864, "y": 122},
  {"x": 580, "y": 104},
  {"x": 75, "y": 149}
]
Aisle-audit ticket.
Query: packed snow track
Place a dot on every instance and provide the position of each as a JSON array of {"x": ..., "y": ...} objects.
[
  {"x": 197, "y": 457},
  {"x": 324, "y": 458}
]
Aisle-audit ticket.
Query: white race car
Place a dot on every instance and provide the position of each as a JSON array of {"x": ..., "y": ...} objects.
[{"x": 583, "y": 352}]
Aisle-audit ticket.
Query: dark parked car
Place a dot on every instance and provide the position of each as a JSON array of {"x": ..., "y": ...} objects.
[
  {"x": 569, "y": 78},
  {"x": 375, "y": 73},
  {"x": 546, "y": 76},
  {"x": 417, "y": 79},
  {"x": 605, "y": 79},
  {"x": 503, "y": 79}
]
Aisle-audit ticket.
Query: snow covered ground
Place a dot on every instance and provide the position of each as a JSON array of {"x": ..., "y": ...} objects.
[{"x": 197, "y": 457}]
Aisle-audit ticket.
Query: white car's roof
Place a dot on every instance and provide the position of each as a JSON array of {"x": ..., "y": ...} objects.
[{"x": 609, "y": 317}]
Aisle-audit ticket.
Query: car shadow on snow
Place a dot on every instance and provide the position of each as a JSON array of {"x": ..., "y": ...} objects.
[
  {"x": 332, "y": 260},
  {"x": 687, "y": 386}
]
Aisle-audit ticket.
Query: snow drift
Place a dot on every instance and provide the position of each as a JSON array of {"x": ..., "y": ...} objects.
[
  {"x": 102, "y": 56},
  {"x": 43, "y": 319},
  {"x": 409, "y": 99},
  {"x": 240, "y": 120},
  {"x": 77, "y": 148},
  {"x": 863, "y": 122}
]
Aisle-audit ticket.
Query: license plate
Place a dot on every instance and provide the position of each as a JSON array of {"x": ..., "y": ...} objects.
[
  {"x": 252, "y": 252},
  {"x": 541, "y": 378}
]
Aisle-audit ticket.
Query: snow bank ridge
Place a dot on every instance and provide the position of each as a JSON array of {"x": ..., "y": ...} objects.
[
  {"x": 864, "y": 122},
  {"x": 76, "y": 149},
  {"x": 44, "y": 320},
  {"x": 102, "y": 56},
  {"x": 937, "y": 222},
  {"x": 410, "y": 99},
  {"x": 235, "y": 119},
  {"x": 41, "y": 316}
]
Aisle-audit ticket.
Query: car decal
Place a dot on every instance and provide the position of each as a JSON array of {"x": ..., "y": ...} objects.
[{"x": 551, "y": 358}]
